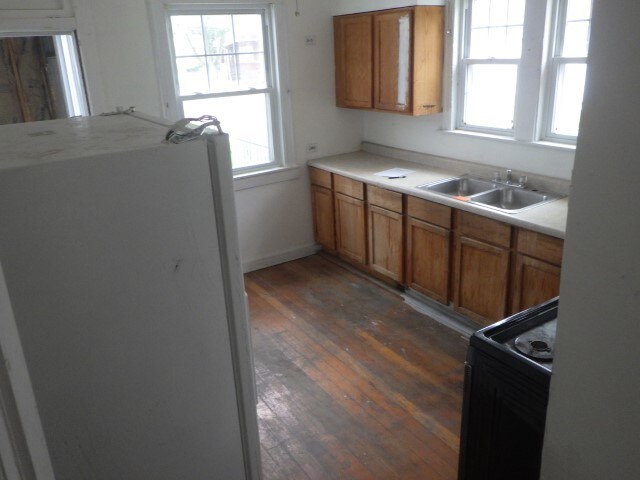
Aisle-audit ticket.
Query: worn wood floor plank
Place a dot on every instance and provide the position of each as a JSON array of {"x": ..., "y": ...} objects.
[{"x": 353, "y": 383}]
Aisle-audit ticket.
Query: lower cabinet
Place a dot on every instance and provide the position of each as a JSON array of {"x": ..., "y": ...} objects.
[
  {"x": 484, "y": 268},
  {"x": 428, "y": 240},
  {"x": 351, "y": 236},
  {"x": 481, "y": 270},
  {"x": 481, "y": 280},
  {"x": 385, "y": 233},
  {"x": 385, "y": 243},
  {"x": 536, "y": 275},
  {"x": 323, "y": 218}
]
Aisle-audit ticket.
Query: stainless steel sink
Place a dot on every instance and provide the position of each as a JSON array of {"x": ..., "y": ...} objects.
[
  {"x": 496, "y": 195},
  {"x": 460, "y": 186},
  {"x": 512, "y": 200}
]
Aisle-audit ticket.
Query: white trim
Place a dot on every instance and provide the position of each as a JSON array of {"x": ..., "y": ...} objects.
[
  {"x": 502, "y": 138},
  {"x": 259, "y": 178},
  {"x": 280, "y": 257},
  {"x": 22, "y": 27},
  {"x": 527, "y": 107},
  {"x": 71, "y": 75},
  {"x": 65, "y": 11},
  {"x": 346, "y": 7},
  {"x": 281, "y": 118}
]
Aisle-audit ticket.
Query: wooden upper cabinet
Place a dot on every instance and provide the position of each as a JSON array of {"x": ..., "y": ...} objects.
[
  {"x": 392, "y": 63},
  {"x": 405, "y": 59},
  {"x": 354, "y": 56}
]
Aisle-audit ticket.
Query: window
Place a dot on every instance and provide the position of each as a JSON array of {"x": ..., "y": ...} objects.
[
  {"x": 569, "y": 68},
  {"x": 502, "y": 68},
  {"x": 224, "y": 63}
]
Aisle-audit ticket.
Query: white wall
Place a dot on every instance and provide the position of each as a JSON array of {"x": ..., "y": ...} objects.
[
  {"x": 425, "y": 135},
  {"x": 273, "y": 219},
  {"x": 593, "y": 422}
]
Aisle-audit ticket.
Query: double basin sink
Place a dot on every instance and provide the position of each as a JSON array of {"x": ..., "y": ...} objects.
[{"x": 498, "y": 196}]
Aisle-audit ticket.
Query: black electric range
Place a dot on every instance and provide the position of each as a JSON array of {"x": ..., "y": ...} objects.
[{"x": 507, "y": 376}]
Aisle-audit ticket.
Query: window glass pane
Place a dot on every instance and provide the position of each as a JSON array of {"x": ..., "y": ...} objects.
[
  {"x": 248, "y": 33},
  {"x": 251, "y": 70},
  {"x": 245, "y": 118},
  {"x": 516, "y": 12},
  {"x": 490, "y": 95},
  {"x": 578, "y": 10},
  {"x": 498, "y": 12},
  {"x": 576, "y": 39},
  {"x": 223, "y": 76},
  {"x": 218, "y": 34},
  {"x": 496, "y": 28},
  {"x": 568, "y": 100},
  {"x": 192, "y": 75},
  {"x": 187, "y": 35},
  {"x": 480, "y": 17}
]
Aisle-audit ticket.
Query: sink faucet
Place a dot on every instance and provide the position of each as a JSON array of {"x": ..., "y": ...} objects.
[{"x": 522, "y": 179}]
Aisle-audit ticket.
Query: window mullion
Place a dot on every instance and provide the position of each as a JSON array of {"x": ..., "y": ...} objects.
[{"x": 528, "y": 105}]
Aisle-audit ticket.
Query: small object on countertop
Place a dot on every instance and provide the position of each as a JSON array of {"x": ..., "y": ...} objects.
[
  {"x": 400, "y": 176},
  {"x": 461, "y": 198},
  {"x": 394, "y": 173}
]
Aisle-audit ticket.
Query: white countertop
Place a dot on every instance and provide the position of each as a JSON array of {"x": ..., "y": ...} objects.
[{"x": 549, "y": 218}]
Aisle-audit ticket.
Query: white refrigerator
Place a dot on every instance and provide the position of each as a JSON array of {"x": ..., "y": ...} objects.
[{"x": 123, "y": 279}]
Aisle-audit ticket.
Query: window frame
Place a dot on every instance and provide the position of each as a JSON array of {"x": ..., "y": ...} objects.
[
  {"x": 555, "y": 61},
  {"x": 275, "y": 65},
  {"x": 536, "y": 80},
  {"x": 464, "y": 61}
]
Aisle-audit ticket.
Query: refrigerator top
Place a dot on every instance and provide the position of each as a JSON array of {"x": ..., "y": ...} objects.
[{"x": 37, "y": 143}]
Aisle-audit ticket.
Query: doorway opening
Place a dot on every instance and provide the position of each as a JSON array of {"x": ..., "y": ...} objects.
[{"x": 40, "y": 79}]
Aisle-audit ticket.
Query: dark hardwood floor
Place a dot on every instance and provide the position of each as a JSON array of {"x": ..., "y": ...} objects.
[{"x": 352, "y": 382}]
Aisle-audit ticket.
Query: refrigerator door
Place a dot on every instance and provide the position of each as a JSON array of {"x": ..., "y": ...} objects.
[{"x": 117, "y": 271}]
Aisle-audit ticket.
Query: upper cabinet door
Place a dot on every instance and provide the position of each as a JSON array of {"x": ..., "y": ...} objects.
[
  {"x": 392, "y": 53},
  {"x": 354, "y": 55}
]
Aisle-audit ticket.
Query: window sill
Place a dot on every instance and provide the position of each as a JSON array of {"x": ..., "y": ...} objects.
[
  {"x": 566, "y": 147},
  {"x": 265, "y": 177}
]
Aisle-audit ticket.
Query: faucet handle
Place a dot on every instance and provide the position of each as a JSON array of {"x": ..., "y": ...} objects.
[
  {"x": 509, "y": 175},
  {"x": 497, "y": 177},
  {"x": 522, "y": 181}
]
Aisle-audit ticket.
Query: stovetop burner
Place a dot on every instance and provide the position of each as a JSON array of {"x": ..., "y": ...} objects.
[
  {"x": 538, "y": 343},
  {"x": 528, "y": 336}
]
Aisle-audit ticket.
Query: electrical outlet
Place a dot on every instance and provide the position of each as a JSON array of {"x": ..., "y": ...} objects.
[
  {"x": 310, "y": 40},
  {"x": 312, "y": 148}
]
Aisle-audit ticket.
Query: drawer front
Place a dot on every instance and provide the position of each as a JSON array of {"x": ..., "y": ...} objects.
[
  {"x": 319, "y": 177},
  {"x": 542, "y": 247},
  {"x": 384, "y": 198},
  {"x": 349, "y": 187},
  {"x": 429, "y": 212},
  {"x": 482, "y": 228}
]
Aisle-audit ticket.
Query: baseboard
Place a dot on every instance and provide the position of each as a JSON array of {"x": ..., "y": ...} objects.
[
  {"x": 280, "y": 257},
  {"x": 440, "y": 313}
]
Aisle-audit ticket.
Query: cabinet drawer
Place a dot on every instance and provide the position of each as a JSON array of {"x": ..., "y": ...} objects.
[
  {"x": 349, "y": 187},
  {"x": 482, "y": 228},
  {"x": 384, "y": 198},
  {"x": 429, "y": 211},
  {"x": 540, "y": 246},
  {"x": 319, "y": 177}
]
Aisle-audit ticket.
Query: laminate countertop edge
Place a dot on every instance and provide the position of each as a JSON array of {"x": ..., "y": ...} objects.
[{"x": 549, "y": 218}]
